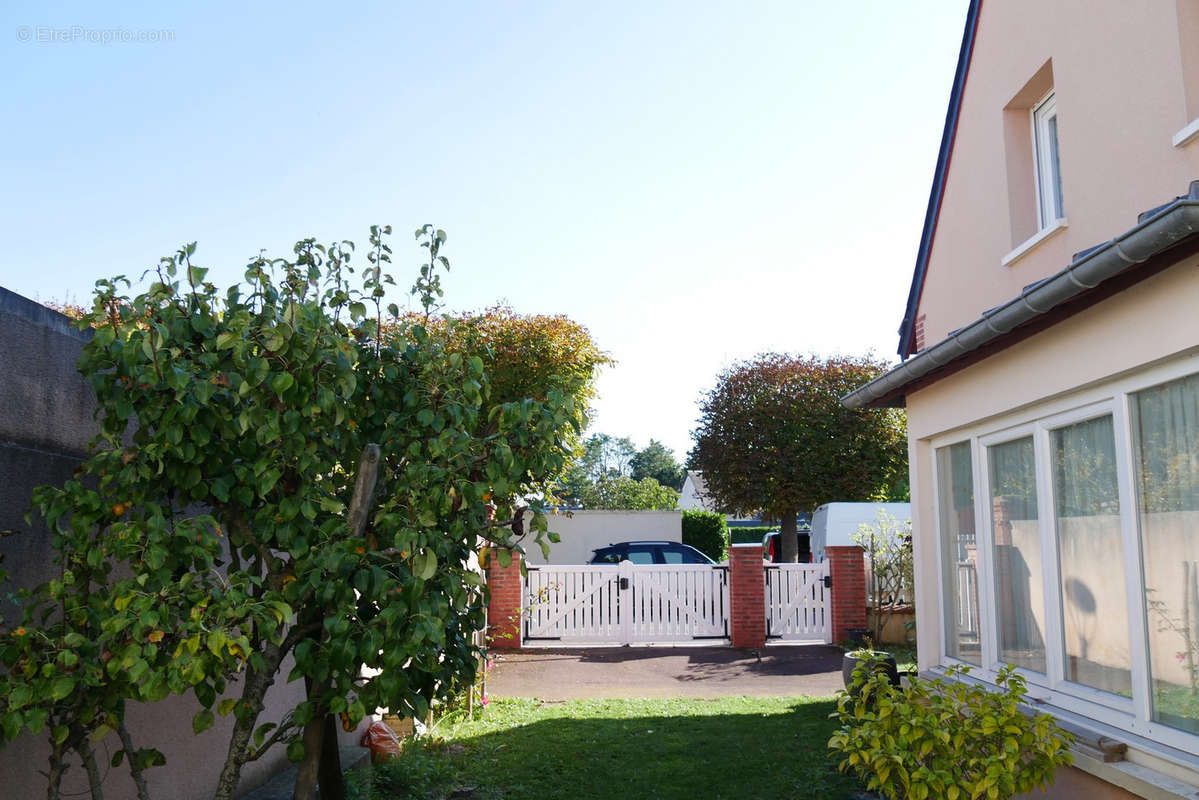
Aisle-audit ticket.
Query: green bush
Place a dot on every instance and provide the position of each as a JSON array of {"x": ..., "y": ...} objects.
[
  {"x": 707, "y": 532},
  {"x": 421, "y": 772},
  {"x": 946, "y": 738},
  {"x": 750, "y": 534}
]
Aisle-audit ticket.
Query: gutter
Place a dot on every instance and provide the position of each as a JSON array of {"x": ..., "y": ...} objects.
[{"x": 1156, "y": 231}]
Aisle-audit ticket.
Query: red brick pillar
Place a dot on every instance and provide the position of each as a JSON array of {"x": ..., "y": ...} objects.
[
  {"x": 847, "y": 566},
  {"x": 747, "y": 596},
  {"x": 503, "y": 606}
]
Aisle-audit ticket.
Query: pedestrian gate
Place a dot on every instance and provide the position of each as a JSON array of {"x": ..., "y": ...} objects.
[
  {"x": 797, "y": 602},
  {"x": 625, "y": 603}
]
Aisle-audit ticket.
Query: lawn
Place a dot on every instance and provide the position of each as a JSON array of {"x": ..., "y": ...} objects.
[{"x": 736, "y": 747}]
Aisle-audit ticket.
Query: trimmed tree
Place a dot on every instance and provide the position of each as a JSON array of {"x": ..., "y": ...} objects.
[
  {"x": 217, "y": 528},
  {"x": 774, "y": 437}
]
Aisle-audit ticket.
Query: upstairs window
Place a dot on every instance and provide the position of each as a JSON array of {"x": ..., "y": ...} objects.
[{"x": 1047, "y": 162}]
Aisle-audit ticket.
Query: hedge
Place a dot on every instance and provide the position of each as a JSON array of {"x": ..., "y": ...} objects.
[
  {"x": 707, "y": 532},
  {"x": 750, "y": 534}
]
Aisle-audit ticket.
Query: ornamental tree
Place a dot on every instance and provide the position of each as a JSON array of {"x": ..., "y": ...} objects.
[
  {"x": 624, "y": 493},
  {"x": 657, "y": 461},
  {"x": 774, "y": 437},
  {"x": 209, "y": 535}
]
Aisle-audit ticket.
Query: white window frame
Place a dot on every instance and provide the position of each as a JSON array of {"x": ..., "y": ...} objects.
[
  {"x": 1050, "y": 204},
  {"x": 1052, "y": 691}
]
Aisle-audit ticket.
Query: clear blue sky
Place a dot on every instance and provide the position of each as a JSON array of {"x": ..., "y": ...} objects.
[{"x": 695, "y": 182}]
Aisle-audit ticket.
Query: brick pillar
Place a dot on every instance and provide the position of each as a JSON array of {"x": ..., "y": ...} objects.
[
  {"x": 847, "y": 566},
  {"x": 503, "y": 606},
  {"x": 747, "y": 596}
]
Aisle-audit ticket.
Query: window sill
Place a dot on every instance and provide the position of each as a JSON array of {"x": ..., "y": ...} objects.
[
  {"x": 1031, "y": 242},
  {"x": 1188, "y": 134}
]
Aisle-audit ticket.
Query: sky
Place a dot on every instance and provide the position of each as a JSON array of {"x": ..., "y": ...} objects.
[{"x": 694, "y": 182}]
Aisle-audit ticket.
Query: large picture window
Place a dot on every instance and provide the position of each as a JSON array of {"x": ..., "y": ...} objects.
[
  {"x": 959, "y": 553},
  {"x": 1016, "y": 543},
  {"x": 1166, "y": 432},
  {"x": 1090, "y": 556},
  {"x": 1085, "y": 568}
]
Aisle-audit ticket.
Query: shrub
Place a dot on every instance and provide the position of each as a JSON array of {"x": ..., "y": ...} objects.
[
  {"x": 888, "y": 546},
  {"x": 946, "y": 739},
  {"x": 751, "y": 534},
  {"x": 707, "y": 532}
]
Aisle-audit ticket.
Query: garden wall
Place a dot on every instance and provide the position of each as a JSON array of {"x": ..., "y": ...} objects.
[
  {"x": 45, "y": 424},
  {"x": 584, "y": 531}
]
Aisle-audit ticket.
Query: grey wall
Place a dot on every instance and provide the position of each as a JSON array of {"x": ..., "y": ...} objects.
[{"x": 45, "y": 425}]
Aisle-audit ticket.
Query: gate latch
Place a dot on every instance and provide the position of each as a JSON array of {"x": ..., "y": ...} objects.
[
  {"x": 828, "y": 581},
  {"x": 624, "y": 583}
]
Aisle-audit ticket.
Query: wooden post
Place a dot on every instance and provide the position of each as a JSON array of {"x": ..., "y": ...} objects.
[{"x": 322, "y": 763}]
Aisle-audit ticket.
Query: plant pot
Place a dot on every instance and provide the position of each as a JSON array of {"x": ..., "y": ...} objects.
[{"x": 884, "y": 663}]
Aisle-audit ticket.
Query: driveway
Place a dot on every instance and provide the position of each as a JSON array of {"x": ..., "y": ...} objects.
[{"x": 665, "y": 672}]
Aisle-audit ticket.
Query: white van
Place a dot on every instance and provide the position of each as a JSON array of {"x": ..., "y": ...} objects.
[{"x": 833, "y": 523}]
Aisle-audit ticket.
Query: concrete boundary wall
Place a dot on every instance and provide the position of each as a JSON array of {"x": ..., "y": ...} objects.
[{"x": 584, "y": 531}]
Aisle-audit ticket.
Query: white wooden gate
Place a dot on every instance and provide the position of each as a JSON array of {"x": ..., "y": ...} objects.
[
  {"x": 625, "y": 603},
  {"x": 797, "y": 602}
]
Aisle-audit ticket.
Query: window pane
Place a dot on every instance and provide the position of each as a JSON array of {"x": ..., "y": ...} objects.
[
  {"x": 1019, "y": 590},
  {"x": 959, "y": 553},
  {"x": 640, "y": 556},
  {"x": 1094, "y": 599},
  {"x": 1055, "y": 168},
  {"x": 1166, "y": 426}
]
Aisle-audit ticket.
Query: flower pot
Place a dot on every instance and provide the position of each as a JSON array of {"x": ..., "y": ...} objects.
[{"x": 884, "y": 663}]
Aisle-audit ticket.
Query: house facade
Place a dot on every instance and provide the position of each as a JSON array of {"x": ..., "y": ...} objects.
[{"x": 1050, "y": 374}]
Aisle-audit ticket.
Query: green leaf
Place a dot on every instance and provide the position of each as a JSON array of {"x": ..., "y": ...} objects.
[
  {"x": 60, "y": 733},
  {"x": 295, "y": 751},
  {"x": 19, "y": 696},
  {"x": 282, "y": 382},
  {"x": 62, "y": 686},
  {"x": 225, "y": 706},
  {"x": 424, "y": 564},
  {"x": 203, "y": 721}
]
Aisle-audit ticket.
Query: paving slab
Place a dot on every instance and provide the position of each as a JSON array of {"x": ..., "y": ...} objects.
[{"x": 700, "y": 672}]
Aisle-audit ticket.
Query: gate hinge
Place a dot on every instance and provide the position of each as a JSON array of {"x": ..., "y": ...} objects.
[{"x": 828, "y": 581}]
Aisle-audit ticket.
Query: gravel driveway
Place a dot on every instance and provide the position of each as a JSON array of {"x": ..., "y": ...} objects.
[{"x": 568, "y": 674}]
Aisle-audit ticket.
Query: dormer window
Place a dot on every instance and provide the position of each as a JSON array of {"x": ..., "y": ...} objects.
[{"x": 1048, "y": 167}]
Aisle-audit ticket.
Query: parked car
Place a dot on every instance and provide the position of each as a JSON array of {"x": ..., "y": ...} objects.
[
  {"x": 649, "y": 553},
  {"x": 774, "y": 547}
]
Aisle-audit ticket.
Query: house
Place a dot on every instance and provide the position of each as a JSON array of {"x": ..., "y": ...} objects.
[
  {"x": 694, "y": 494},
  {"x": 1050, "y": 373}
]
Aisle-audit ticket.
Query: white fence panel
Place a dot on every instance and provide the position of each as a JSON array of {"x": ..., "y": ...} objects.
[
  {"x": 625, "y": 604},
  {"x": 575, "y": 604},
  {"x": 797, "y": 602},
  {"x": 678, "y": 603}
]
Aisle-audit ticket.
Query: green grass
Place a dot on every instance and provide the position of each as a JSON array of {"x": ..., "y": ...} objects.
[{"x": 737, "y": 747}]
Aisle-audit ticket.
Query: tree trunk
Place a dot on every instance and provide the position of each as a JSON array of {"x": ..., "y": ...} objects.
[
  {"x": 58, "y": 767},
  {"x": 321, "y": 763},
  {"x": 329, "y": 776},
  {"x": 309, "y": 769},
  {"x": 253, "y": 694},
  {"x": 94, "y": 780},
  {"x": 788, "y": 537},
  {"x": 135, "y": 767}
]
